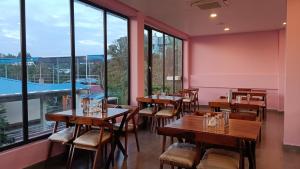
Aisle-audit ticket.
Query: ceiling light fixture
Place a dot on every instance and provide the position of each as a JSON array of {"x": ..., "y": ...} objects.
[
  {"x": 213, "y": 15},
  {"x": 284, "y": 23},
  {"x": 226, "y": 29}
]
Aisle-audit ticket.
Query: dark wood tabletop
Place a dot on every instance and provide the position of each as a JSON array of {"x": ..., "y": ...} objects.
[
  {"x": 243, "y": 129},
  {"x": 259, "y": 103},
  {"x": 112, "y": 113}
]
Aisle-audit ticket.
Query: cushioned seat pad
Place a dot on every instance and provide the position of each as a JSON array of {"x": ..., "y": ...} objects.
[
  {"x": 63, "y": 136},
  {"x": 147, "y": 111},
  {"x": 91, "y": 138},
  {"x": 219, "y": 159},
  {"x": 179, "y": 154},
  {"x": 165, "y": 112}
]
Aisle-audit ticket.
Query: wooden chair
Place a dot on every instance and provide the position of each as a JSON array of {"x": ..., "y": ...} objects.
[
  {"x": 231, "y": 156},
  {"x": 166, "y": 110},
  {"x": 93, "y": 139},
  {"x": 180, "y": 154},
  {"x": 65, "y": 136},
  {"x": 188, "y": 100},
  {"x": 244, "y": 89},
  {"x": 130, "y": 124},
  {"x": 147, "y": 110},
  {"x": 195, "y": 91},
  {"x": 248, "y": 108}
]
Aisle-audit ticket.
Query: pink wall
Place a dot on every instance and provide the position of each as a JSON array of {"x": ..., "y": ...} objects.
[
  {"x": 292, "y": 76},
  {"x": 249, "y": 60},
  {"x": 30, "y": 154},
  {"x": 27, "y": 155},
  {"x": 137, "y": 58}
]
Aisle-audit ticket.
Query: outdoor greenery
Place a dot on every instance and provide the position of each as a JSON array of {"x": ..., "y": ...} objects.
[
  {"x": 3, "y": 127},
  {"x": 117, "y": 69}
]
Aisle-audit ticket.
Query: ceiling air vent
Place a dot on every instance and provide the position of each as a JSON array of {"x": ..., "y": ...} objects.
[{"x": 209, "y": 4}]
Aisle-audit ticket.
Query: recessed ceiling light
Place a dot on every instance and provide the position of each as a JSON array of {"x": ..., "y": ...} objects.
[
  {"x": 226, "y": 29},
  {"x": 213, "y": 15},
  {"x": 284, "y": 23}
]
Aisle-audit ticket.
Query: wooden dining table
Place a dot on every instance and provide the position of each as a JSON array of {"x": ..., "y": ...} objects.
[
  {"x": 110, "y": 115},
  {"x": 260, "y": 103},
  {"x": 241, "y": 129}
]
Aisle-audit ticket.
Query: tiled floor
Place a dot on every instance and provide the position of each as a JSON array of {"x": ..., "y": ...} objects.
[{"x": 270, "y": 153}]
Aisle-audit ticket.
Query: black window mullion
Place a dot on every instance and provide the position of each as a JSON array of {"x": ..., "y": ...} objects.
[
  {"x": 164, "y": 46},
  {"x": 174, "y": 64},
  {"x": 73, "y": 58},
  {"x": 105, "y": 54},
  {"x": 149, "y": 61},
  {"x": 129, "y": 60},
  {"x": 24, "y": 70}
]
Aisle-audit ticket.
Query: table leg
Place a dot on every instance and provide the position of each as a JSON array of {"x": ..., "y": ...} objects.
[
  {"x": 116, "y": 142},
  {"x": 251, "y": 154}
]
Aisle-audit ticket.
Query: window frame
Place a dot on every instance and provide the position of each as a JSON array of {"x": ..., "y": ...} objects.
[
  {"x": 150, "y": 29},
  {"x": 23, "y": 48}
]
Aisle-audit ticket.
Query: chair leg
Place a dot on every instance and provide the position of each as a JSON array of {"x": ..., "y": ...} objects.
[
  {"x": 126, "y": 141},
  {"x": 137, "y": 140},
  {"x": 70, "y": 158},
  {"x": 161, "y": 165},
  {"x": 97, "y": 156}
]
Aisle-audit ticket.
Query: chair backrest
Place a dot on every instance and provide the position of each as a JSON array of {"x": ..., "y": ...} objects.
[
  {"x": 214, "y": 106},
  {"x": 217, "y": 139},
  {"x": 259, "y": 90},
  {"x": 242, "y": 106},
  {"x": 244, "y": 89},
  {"x": 144, "y": 100},
  {"x": 243, "y": 116}
]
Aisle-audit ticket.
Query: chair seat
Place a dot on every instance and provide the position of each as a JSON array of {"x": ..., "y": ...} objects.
[
  {"x": 130, "y": 126},
  {"x": 179, "y": 154},
  {"x": 219, "y": 159},
  {"x": 63, "y": 136},
  {"x": 147, "y": 111},
  {"x": 168, "y": 112},
  {"x": 91, "y": 138},
  {"x": 187, "y": 100},
  {"x": 225, "y": 110}
]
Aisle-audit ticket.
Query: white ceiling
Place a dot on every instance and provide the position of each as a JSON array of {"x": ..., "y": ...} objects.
[{"x": 240, "y": 15}]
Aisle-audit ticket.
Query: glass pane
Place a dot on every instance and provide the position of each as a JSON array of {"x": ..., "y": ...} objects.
[
  {"x": 169, "y": 63},
  {"x": 146, "y": 58},
  {"x": 11, "y": 123},
  {"x": 117, "y": 59},
  {"x": 89, "y": 40},
  {"x": 178, "y": 64},
  {"x": 157, "y": 62},
  {"x": 48, "y": 61}
]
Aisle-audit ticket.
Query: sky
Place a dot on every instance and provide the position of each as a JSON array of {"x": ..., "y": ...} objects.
[{"x": 48, "y": 28}]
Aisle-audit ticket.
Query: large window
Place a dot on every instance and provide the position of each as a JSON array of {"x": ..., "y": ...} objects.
[
  {"x": 89, "y": 48},
  {"x": 169, "y": 63},
  {"x": 163, "y": 64},
  {"x": 89, "y": 45},
  {"x": 178, "y": 65},
  {"x": 11, "y": 130},
  {"x": 157, "y": 62},
  {"x": 48, "y": 61},
  {"x": 117, "y": 58}
]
